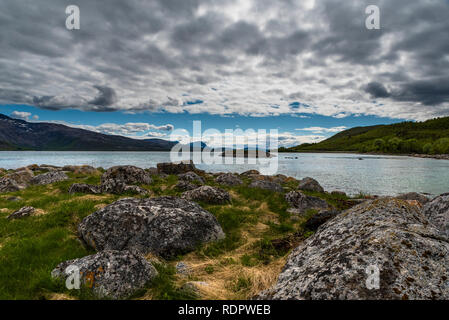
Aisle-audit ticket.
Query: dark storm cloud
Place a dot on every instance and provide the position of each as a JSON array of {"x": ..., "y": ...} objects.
[
  {"x": 377, "y": 90},
  {"x": 146, "y": 51}
]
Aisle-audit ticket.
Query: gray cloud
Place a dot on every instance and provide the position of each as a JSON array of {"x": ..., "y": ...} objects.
[
  {"x": 105, "y": 98},
  {"x": 377, "y": 90},
  {"x": 157, "y": 55}
]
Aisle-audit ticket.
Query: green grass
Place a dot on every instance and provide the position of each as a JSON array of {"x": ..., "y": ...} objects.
[
  {"x": 163, "y": 287},
  {"x": 30, "y": 248}
]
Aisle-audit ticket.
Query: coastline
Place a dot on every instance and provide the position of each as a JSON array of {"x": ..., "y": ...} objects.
[{"x": 414, "y": 155}]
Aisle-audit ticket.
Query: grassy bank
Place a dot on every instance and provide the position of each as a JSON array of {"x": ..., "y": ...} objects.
[{"x": 259, "y": 235}]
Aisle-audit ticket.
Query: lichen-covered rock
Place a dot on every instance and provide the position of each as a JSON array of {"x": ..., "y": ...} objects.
[
  {"x": 85, "y": 169},
  {"x": 191, "y": 177},
  {"x": 414, "y": 196},
  {"x": 166, "y": 226},
  {"x": 8, "y": 185},
  {"x": 185, "y": 186},
  {"x": 127, "y": 175},
  {"x": 340, "y": 260},
  {"x": 320, "y": 218},
  {"x": 437, "y": 211},
  {"x": 49, "y": 177},
  {"x": 310, "y": 184},
  {"x": 301, "y": 203},
  {"x": 175, "y": 168},
  {"x": 84, "y": 188},
  {"x": 250, "y": 173},
  {"x": 109, "y": 274},
  {"x": 208, "y": 194},
  {"x": 119, "y": 187},
  {"x": 21, "y": 213},
  {"x": 267, "y": 185},
  {"x": 22, "y": 177},
  {"x": 228, "y": 179}
]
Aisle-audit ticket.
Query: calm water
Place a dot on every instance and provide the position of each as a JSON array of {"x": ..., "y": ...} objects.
[{"x": 381, "y": 175}]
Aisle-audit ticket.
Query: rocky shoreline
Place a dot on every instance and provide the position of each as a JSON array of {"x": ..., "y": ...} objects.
[{"x": 331, "y": 238}]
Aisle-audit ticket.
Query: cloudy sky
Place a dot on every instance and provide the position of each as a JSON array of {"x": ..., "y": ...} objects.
[{"x": 143, "y": 68}]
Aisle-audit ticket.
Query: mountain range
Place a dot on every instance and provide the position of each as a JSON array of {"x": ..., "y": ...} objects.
[{"x": 18, "y": 134}]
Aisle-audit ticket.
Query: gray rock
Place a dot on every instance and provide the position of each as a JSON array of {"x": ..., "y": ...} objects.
[
  {"x": 208, "y": 194},
  {"x": 21, "y": 213},
  {"x": 250, "y": 173},
  {"x": 110, "y": 274},
  {"x": 437, "y": 211},
  {"x": 414, "y": 196},
  {"x": 175, "y": 168},
  {"x": 8, "y": 185},
  {"x": 166, "y": 226},
  {"x": 22, "y": 177},
  {"x": 14, "y": 199},
  {"x": 84, "y": 188},
  {"x": 228, "y": 179},
  {"x": 191, "y": 177},
  {"x": 267, "y": 185},
  {"x": 185, "y": 186},
  {"x": 119, "y": 187},
  {"x": 183, "y": 269},
  {"x": 85, "y": 169},
  {"x": 310, "y": 184},
  {"x": 49, "y": 177},
  {"x": 127, "y": 175},
  {"x": 301, "y": 203},
  {"x": 387, "y": 234}
]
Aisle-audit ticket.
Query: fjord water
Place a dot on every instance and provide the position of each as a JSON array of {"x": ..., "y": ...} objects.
[{"x": 380, "y": 175}]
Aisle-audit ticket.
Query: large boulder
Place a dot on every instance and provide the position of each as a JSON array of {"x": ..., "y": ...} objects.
[
  {"x": 21, "y": 213},
  {"x": 175, "y": 168},
  {"x": 166, "y": 226},
  {"x": 228, "y": 179},
  {"x": 437, "y": 211},
  {"x": 300, "y": 202},
  {"x": 127, "y": 175},
  {"x": 267, "y": 185},
  {"x": 109, "y": 274},
  {"x": 414, "y": 196},
  {"x": 310, "y": 184},
  {"x": 341, "y": 260},
  {"x": 208, "y": 194},
  {"x": 49, "y": 177},
  {"x": 9, "y": 185},
  {"x": 191, "y": 177}
]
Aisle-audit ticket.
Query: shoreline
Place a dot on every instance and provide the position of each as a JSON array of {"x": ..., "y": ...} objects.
[{"x": 413, "y": 155}]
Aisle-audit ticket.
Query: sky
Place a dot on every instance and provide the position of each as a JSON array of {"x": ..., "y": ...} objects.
[{"x": 146, "y": 69}]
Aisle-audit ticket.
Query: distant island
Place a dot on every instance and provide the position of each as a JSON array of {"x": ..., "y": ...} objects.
[
  {"x": 429, "y": 137},
  {"x": 18, "y": 135}
]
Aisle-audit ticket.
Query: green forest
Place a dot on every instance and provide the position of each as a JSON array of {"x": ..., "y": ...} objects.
[{"x": 427, "y": 137}]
